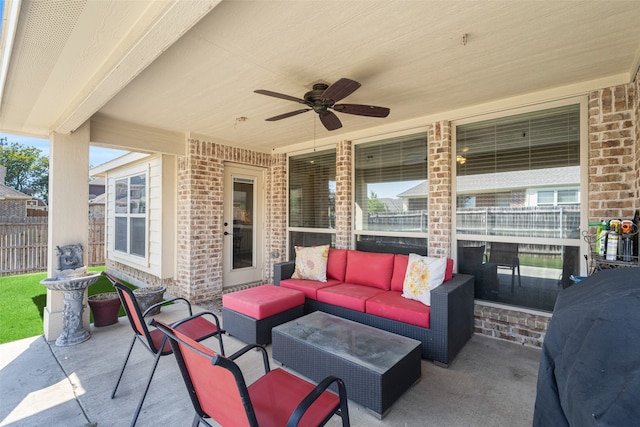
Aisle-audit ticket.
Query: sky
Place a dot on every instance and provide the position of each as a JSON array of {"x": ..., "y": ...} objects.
[{"x": 97, "y": 155}]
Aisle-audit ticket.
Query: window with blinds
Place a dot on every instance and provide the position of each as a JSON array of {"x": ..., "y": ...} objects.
[
  {"x": 517, "y": 164},
  {"x": 391, "y": 194},
  {"x": 518, "y": 205},
  {"x": 312, "y": 190}
]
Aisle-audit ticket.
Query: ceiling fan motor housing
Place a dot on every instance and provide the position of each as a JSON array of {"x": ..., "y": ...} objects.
[{"x": 314, "y": 98}]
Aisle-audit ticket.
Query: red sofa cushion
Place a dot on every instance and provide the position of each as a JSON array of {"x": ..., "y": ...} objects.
[
  {"x": 262, "y": 301},
  {"x": 348, "y": 295},
  {"x": 337, "y": 264},
  {"x": 400, "y": 263},
  {"x": 308, "y": 287},
  {"x": 369, "y": 269},
  {"x": 392, "y": 305},
  {"x": 448, "y": 274}
]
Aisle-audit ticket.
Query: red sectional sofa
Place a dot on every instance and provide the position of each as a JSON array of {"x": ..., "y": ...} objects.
[{"x": 367, "y": 287}]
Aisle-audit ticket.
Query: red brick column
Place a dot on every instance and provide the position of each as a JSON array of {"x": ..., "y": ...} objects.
[
  {"x": 344, "y": 202},
  {"x": 636, "y": 114},
  {"x": 440, "y": 192},
  {"x": 276, "y": 207},
  {"x": 613, "y": 152}
]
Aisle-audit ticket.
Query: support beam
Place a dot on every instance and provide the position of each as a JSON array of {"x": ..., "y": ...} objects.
[
  {"x": 68, "y": 213},
  {"x": 131, "y": 58}
]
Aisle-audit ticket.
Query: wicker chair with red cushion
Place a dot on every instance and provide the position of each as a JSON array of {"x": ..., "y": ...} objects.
[
  {"x": 196, "y": 327},
  {"x": 218, "y": 390}
]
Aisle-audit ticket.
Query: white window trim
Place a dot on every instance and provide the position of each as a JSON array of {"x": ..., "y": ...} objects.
[{"x": 123, "y": 257}]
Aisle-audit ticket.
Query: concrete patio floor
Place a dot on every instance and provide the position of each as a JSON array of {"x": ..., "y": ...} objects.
[{"x": 490, "y": 382}]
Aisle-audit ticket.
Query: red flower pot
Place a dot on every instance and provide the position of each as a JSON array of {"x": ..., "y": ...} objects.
[{"x": 105, "y": 308}]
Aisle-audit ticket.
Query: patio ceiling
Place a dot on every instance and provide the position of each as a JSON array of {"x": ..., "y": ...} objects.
[{"x": 192, "y": 66}]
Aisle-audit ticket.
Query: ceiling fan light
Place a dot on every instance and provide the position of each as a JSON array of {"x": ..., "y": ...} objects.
[{"x": 461, "y": 159}]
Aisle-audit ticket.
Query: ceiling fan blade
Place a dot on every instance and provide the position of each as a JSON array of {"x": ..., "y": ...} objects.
[
  {"x": 280, "y": 95},
  {"x": 362, "y": 110},
  {"x": 340, "y": 89},
  {"x": 285, "y": 115},
  {"x": 330, "y": 120}
]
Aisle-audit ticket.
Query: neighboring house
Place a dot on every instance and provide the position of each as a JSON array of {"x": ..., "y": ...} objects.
[
  {"x": 96, "y": 187},
  {"x": 97, "y": 206},
  {"x": 13, "y": 203},
  {"x": 415, "y": 198}
]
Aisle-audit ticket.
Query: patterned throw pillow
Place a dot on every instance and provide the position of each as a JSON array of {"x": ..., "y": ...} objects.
[
  {"x": 423, "y": 275},
  {"x": 311, "y": 263}
]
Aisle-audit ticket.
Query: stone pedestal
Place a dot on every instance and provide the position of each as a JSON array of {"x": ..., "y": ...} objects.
[{"x": 73, "y": 294}]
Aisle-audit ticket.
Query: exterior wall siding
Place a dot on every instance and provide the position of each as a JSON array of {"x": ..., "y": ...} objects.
[{"x": 151, "y": 270}]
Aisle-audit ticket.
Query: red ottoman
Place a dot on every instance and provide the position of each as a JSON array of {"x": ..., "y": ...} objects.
[{"x": 250, "y": 314}]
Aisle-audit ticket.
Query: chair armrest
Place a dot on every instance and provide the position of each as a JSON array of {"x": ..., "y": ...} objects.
[
  {"x": 452, "y": 313},
  {"x": 283, "y": 270},
  {"x": 216, "y": 321},
  {"x": 258, "y": 347},
  {"x": 169, "y": 301},
  {"x": 315, "y": 394}
]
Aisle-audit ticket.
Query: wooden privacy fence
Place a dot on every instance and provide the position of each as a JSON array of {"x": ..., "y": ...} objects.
[{"x": 23, "y": 244}]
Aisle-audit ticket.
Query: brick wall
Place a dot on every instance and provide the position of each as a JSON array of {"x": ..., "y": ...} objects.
[
  {"x": 276, "y": 238},
  {"x": 511, "y": 325},
  {"x": 613, "y": 163},
  {"x": 344, "y": 201},
  {"x": 200, "y": 216},
  {"x": 636, "y": 108},
  {"x": 440, "y": 193}
]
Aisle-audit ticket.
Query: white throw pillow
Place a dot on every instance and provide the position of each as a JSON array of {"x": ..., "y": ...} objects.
[
  {"x": 311, "y": 263},
  {"x": 423, "y": 275}
]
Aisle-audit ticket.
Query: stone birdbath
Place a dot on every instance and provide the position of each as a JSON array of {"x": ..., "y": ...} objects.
[{"x": 71, "y": 279}]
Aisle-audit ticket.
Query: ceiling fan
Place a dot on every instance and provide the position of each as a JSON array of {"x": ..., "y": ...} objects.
[{"x": 322, "y": 98}]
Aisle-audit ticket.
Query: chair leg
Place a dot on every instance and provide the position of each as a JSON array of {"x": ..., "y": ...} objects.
[
  {"x": 196, "y": 421},
  {"x": 146, "y": 389},
  {"x": 219, "y": 334},
  {"x": 513, "y": 273},
  {"x": 519, "y": 279},
  {"x": 113, "y": 393}
]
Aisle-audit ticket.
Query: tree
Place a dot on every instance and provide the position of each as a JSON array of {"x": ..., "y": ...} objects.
[
  {"x": 374, "y": 204},
  {"x": 27, "y": 169}
]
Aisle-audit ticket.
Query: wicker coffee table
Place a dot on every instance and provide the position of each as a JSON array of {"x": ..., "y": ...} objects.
[{"x": 376, "y": 366}]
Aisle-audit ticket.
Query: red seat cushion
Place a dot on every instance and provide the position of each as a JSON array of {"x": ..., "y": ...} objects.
[
  {"x": 263, "y": 301},
  {"x": 348, "y": 295},
  {"x": 392, "y": 305},
  {"x": 369, "y": 269},
  {"x": 275, "y": 396},
  {"x": 308, "y": 287}
]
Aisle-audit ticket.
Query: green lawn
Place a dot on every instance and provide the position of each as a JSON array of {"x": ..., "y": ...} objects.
[{"x": 22, "y": 301}]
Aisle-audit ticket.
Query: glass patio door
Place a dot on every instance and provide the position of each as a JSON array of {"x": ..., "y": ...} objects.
[{"x": 242, "y": 235}]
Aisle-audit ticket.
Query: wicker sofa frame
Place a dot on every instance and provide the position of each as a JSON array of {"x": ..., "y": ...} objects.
[{"x": 451, "y": 324}]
